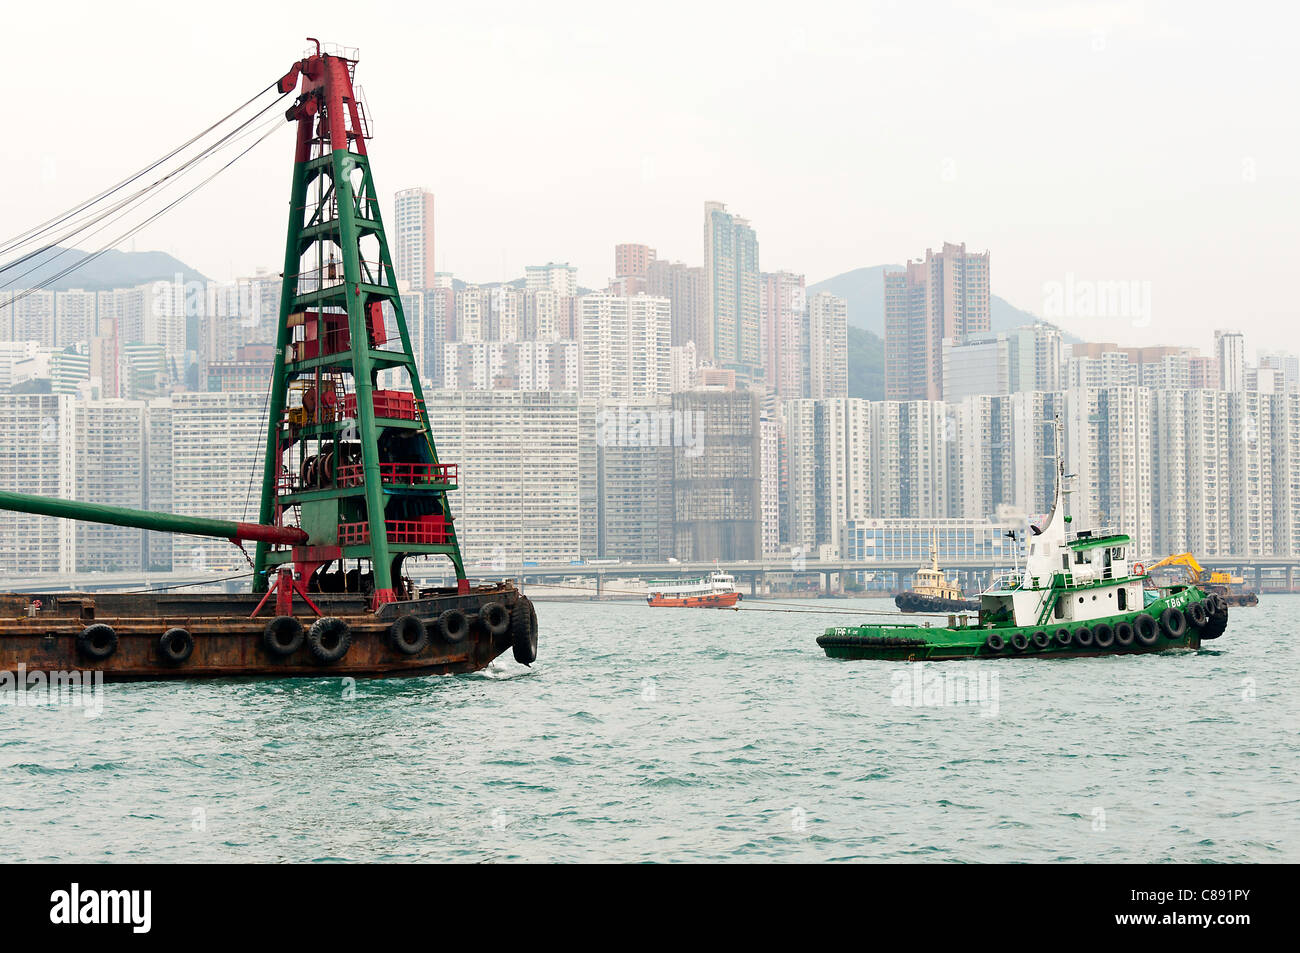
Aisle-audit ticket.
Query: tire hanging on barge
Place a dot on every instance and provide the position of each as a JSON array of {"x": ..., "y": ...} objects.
[
  {"x": 523, "y": 632},
  {"x": 329, "y": 639},
  {"x": 97, "y": 642},
  {"x": 408, "y": 635},
  {"x": 175, "y": 646},
  {"x": 283, "y": 636}
]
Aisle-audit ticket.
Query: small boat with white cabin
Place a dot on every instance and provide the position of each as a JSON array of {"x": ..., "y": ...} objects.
[{"x": 715, "y": 591}]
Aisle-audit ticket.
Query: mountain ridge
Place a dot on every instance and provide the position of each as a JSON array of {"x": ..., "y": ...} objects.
[{"x": 112, "y": 269}]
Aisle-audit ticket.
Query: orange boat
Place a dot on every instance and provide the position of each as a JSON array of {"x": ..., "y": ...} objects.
[{"x": 718, "y": 591}]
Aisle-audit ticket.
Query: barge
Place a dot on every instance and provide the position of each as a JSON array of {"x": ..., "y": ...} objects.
[{"x": 352, "y": 485}]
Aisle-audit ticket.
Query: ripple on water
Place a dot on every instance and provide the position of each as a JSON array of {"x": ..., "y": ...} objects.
[{"x": 678, "y": 735}]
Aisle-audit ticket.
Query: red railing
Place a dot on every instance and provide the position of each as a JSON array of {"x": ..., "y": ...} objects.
[
  {"x": 406, "y": 474},
  {"x": 389, "y": 404},
  {"x": 425, "y": 530}
]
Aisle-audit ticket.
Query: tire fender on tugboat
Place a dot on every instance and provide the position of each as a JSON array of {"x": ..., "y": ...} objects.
[{"x": 1146, "y": 629}]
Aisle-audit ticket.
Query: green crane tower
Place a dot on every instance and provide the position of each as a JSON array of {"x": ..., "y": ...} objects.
[{"x": 355, "y": 465}]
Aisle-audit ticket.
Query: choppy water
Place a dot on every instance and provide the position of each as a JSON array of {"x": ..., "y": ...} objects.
[{"x": 668, "y": 735}]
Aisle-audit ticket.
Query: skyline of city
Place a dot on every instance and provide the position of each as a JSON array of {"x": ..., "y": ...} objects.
[
  {"x": 1059, "y": 164},
  {"x": 654, "y": 449}
]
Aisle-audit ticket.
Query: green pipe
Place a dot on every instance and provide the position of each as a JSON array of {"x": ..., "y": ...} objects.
[{"x": 146, "y": 519}]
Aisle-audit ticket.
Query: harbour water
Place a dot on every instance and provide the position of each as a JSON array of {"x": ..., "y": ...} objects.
[{"x": 684, "y": 735}]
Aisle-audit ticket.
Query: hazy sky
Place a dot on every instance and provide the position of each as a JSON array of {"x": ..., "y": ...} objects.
[{"x": 1155, "y": 143}]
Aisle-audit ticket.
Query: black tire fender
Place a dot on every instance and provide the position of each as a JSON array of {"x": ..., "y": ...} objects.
[
  {"x": 1197, "y": 614},
  {"x": 995, "y": 643},
  {"x": 1124, "y": 634},
  {"x": 408, "y": 635},
  {"x": 97, "y": 641},
  {"x": 1041, "y": 639},
  {"x": 1147, "y": 629},
  {"x": 1064, "y": 637},
  {"x": 1020, "y": 641},
  {"x": 329, "y": 639},
  {"x": 1103, "y": 635},
  {"x": 1083, "y": 637},
  {"x": 1173, "y": 622},
  {"x": 495, "y": 617},
  {"x": 175, "y": 645},
  {"x": 283, "y": 636},
  {"x": 452, "y": 626},
  {"x": 523, "y": 631}
]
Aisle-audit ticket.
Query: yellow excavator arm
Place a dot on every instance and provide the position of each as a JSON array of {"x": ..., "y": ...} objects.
[{"x": 1196, "y": 571}]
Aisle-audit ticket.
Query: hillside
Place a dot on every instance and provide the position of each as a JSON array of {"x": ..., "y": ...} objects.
[
  {"x": 866, "y": 365},
  {"x": 864, "y": 290},
  {"x": 113, "y": 269}
]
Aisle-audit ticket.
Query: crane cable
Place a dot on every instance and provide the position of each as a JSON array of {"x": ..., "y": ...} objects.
[
  {"x": 28, "y": 235},
  {"x": 121, "y": 209},
  {"x": 132, "y": 231}
]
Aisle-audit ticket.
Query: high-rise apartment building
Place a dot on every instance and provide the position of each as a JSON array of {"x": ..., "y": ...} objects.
[
  {"x": 732, "y": 294},
  {"x": 828, "y": 346},
  {"x": 635, "y": 486},
  {"x": 216, "y": 442},
  {"x": 632, "y": 261},
  {"x": 528, "y": 472},
  {"x": 683, "y": 286},
  {"x": 1230, "y": 350},
  {"x": 945, "y": 296},
  {"x": 112, "y": 470},
  {"x": 560, "y": 277},
  {"x": 717, "y": 494},
  {"x": 1024, "y": 359},
  {"x": 413, "y": 238},
  {"x": 38, "y": 455},
  {"x": 625, "y": 347},
  {"x": 785, "y": 301}
]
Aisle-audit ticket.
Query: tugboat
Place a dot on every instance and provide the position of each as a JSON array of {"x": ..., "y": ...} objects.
[
  {"x": 717, "y": 591},
  {"x": 352, "y": 485},
  {"x": 932, "y": 592},
  {"x": 1077, "y": 596}
]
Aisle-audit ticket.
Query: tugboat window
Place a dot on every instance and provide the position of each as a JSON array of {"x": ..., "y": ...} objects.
[{"x": 1123, "y": 599}]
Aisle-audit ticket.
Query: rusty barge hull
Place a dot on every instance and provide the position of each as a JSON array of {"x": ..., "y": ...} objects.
[{"x": 227, "y": 641}]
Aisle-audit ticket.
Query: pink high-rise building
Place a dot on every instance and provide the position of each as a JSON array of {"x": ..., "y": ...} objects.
[
  {"x": 784, "y": 305},
  {"x": 632, "y": 260},
  {"x": 944, "y": 297}
]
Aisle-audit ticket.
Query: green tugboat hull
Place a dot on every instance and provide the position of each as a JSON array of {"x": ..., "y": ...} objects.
[{"x": 1166, "y": 624}]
